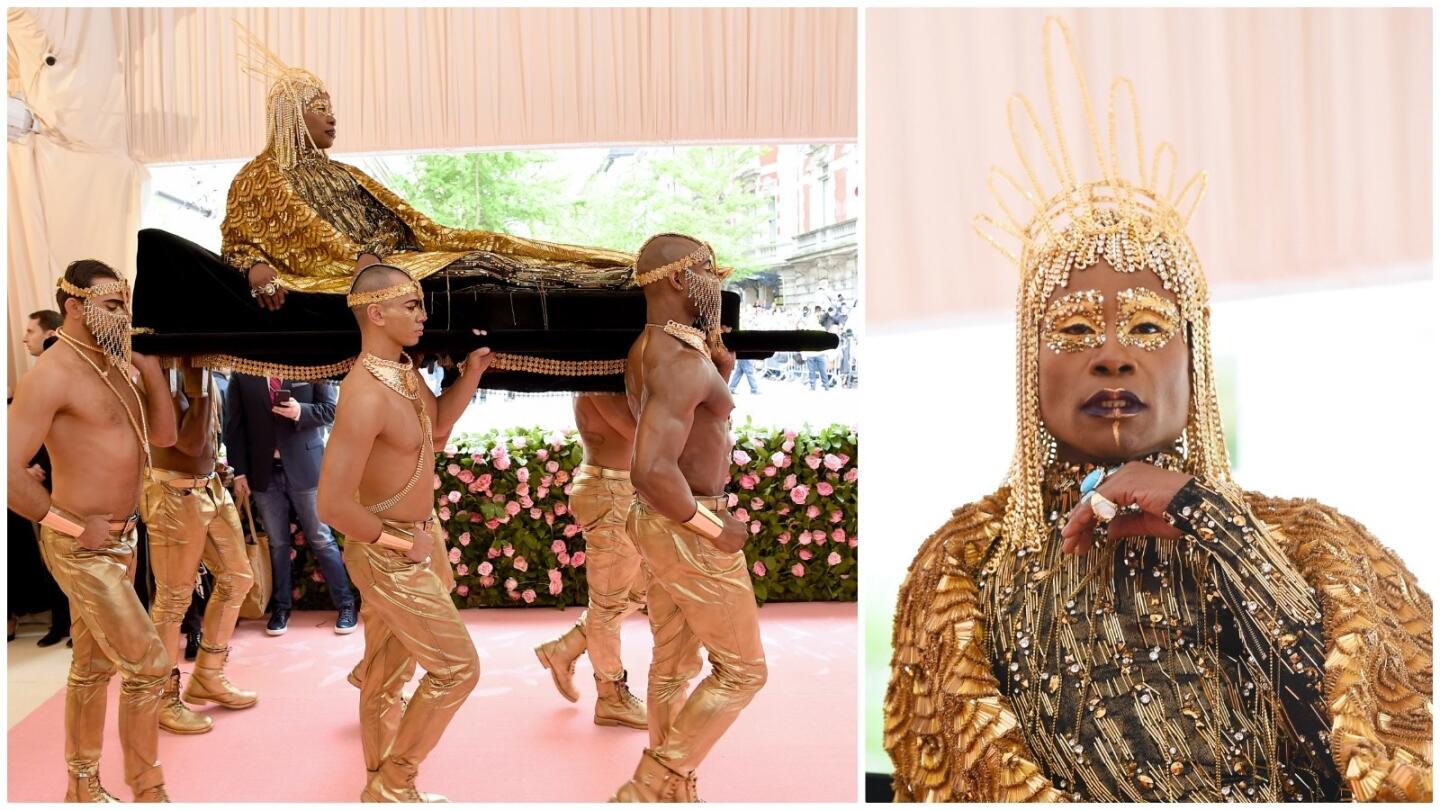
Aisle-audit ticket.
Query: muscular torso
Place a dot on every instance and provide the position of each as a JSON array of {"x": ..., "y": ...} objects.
[
  {"x": 603, "y": 444},
  {"x": 705, "y": 459},
  {"x": 392, "y": 460},
  {"x": 207, "y": 408},
  {"x": 97, "y": 458}
]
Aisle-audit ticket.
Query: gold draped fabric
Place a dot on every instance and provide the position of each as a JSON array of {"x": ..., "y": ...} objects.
[
  {"x": 268, "y": 220},
  {"x": 954, "y": 737}
]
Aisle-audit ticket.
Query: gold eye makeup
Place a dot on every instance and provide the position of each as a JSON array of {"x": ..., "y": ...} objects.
[
  {"x": 1145, "y": 319},
  {"x": 319, "y": 104},
  {"x": 1075, "y": 322}
]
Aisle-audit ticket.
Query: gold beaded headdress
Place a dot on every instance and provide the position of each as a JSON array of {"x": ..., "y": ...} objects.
[
  {"x": 406, "y": 287},
  {"x": 1126, "y": 220},
  {"x": 291, "y": 89}
]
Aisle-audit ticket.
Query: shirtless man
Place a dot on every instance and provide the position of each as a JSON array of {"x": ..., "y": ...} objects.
[
  {"x": 375, "y": 487},
  {"x": 83, "y": 403},
  {"x": 700, "y": 591},
  {"x": 600, "y": 497},
  {"x": 190, "y": 515}
]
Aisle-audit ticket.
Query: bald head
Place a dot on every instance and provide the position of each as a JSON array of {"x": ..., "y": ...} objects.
[
  {"x": 374, "y": 278},
  {"x": 664, "y": 249}
]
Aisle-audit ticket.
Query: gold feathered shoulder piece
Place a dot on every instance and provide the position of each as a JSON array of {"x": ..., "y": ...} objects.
[{"x": 953, "y": 737}]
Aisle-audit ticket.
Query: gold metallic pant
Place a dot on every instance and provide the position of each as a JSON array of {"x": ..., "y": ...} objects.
[
  {"x": 440, "y": 564},
  {"x": 600, "y": 500},
  {"x": 408, "y": 617},
  {"x": 699, "y": 595},
  {"x": 110, "y": 631},
  {"x": 186, "y": 526}
]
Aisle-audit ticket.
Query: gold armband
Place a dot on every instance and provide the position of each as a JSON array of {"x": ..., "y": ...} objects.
[
  {"x": 62, "y": 523},
  {"x": 392, "y": 536},
  {"x": 706, "y": 523}
]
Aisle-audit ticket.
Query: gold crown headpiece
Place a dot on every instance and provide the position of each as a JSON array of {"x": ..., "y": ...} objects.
[
  {"x": 290, "y": 89},
  {"x": 1129, "y": 222},
  {"x": 407, "y": 287},
  {"x": 107, "y": 288},
  {"x": 664, "y": 271}
]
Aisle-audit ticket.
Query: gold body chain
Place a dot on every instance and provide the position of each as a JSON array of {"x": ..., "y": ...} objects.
[{"x": 401, "y": 378}]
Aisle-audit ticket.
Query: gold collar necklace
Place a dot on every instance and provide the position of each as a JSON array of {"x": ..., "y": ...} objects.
[{"x": 399, "y": 377}]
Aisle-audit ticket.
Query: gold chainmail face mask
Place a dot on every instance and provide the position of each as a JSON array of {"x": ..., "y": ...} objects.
[
  {"x": 702, "y": 288},
  {"x": 111, "y": 329},
  {"x": 1123, "y": 218}
]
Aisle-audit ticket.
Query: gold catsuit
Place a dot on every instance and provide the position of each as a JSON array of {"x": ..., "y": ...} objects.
[
  {"x": 110, "y": 632},
  {"x": 600, "y": 501},
  {"x": 699, "y": 595}
]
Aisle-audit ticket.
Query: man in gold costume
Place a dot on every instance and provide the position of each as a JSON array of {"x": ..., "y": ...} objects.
[
  {"x": 1120, "y": 621},
  {"x": 600, "y": 498},
  {"x": 700, "y": 592},
  {"x": 296, "y": 220},
  {"x": 98, "y": 418},
  {"x": 190, "y": 516},
  {"x": 375, "y": 488}
]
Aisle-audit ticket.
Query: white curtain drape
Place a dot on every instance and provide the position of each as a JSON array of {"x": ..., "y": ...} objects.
[
  {"x": 1314, "y": 126},
  {"x": 406, "y": 79},
  {"x": 136, "y": 86}
]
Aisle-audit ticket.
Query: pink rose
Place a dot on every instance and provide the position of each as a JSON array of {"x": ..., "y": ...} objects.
[
  {"x": 777, "y": 458},
  {"x": 805, "y": 554},
  {"x": 486, "y": 582},
  {"x": 756, "y": 504},
  {"x": 797, "y": 570},
  {"x": 502, "y": 463},
  {"x": 454, "y": 556},
  {"x": 788, "y": 445},
  {"x": 464, "y": 538},
  {"x": 542, "y": 493},
  {"x": 770, "y": 472},
  {"x": 754, "y": 527},
  {"x": 812, "y": 511},
  {"x": 295, "y": 592},
  {"x": 741, "y": 515},
  {"x": 485, "y": 569},
  {"x": 508, "y": 550},
  {"x": 512, "y": 508},
  {"x": 542, "y": 454},
  {"x": 813, "y": 462},
  {"x": 566, "y": 490},
  {"x": 534, "y": 513},
  {"x": 731, "y": 499},
  {"x": 462, "y": 590},
  {"x": 834, "y": 558},
  {"x": 852, "y": 474},
  {"x": 551, "y": 467},
  {"x": 838, "y": 535},
  {"x": 555, "y": 585},
  {"x": 520, "y": 564},
  {"x": 790, "y": 434},
  {"x": 804, "y": 538},
  {"x": 844, "y": 459},
  {"x": 492, "y": 524},
  {"x": 563, "y": 558},
  {"x": 453, "y": 469},
  {"x": 785, "y": 462},
  {"x": 549, "y": 519},
  {"x": 444, "y": 513},
  {"x": 510, "y": 584},
  {"x": 484, "y": 481},
  {"x": 577, "y": 559},
  {"x": 462, "y": 570},
  {"x": 854, "y": 541},
  {"x": 316, "y": 576},
  {"x": 833, "y": 462},
  {"x": 561, "y": 509},
  {"x": 748, "y": 481},
  {"x": 758, "y": 568},
  {"x": 437, "y": 483},
  {"x": 465, "y": 476},
  {"x": 784, "y": 509},
  {"x": 799, "y": 494},
  {"x": 478, "y": 458},
  {"x": 528, "y": 595},
  {"x": 783, "y": 539},
  {"x": 492, "y": 553},
  {"x": 789, "y": 482},
  {"x": 499, "y": 451},
  {"x": 522, "y": 490},
  {"x": 571, "y": 530},
  {"x": 561, "y": 477},
  {"x": 526, "y": 502},
  {"x": 825, "y": 489},
  {"x": 453, "y": 496},
  {"x": 836, "y": 516},
  {"x": 558, "y": 547},
  {"x": 740, "y": 457},
  {"x": 522, "y": 474}
]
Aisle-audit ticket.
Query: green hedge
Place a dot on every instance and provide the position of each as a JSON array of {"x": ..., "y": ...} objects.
[{"x": 501, "y": 497}]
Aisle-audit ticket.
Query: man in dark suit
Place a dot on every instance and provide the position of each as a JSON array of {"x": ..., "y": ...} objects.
[{"x": 275, "y": 446}]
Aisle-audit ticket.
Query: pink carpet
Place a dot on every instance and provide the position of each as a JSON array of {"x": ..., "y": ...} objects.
[{"x": 516, "y": 739}]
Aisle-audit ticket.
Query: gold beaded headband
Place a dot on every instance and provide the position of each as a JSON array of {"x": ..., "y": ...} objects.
[
  {"x": 666, "y": 270},
  {"x": 1134, "y": 199},
  {"x": 407, "y": 287},
  {"x": 108, "y": 288}
]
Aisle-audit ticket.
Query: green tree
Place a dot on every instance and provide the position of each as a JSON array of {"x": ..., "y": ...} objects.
[
  {"x": 708, "y": 192},
  {"x": 493, "y": 191}
]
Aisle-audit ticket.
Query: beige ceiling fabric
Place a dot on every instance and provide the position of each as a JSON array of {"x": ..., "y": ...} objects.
[
  {"x": 463, "y": 78},
  {"x": 1314, "y": 127}
]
